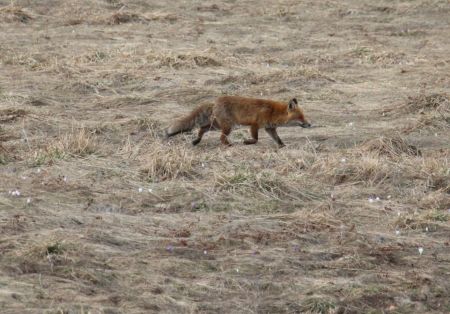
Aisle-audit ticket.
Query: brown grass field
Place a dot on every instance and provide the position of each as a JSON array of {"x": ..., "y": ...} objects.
[{"x": 99, "y": 213}]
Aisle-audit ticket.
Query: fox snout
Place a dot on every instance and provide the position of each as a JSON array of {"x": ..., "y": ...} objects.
[{"x": 305, "y": 124}]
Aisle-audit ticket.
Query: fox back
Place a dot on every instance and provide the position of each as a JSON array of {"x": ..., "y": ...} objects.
[{"x": 262, "y": 112}]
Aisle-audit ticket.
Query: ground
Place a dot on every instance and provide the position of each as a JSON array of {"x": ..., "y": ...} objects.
[{"x": 99, "y": 213}]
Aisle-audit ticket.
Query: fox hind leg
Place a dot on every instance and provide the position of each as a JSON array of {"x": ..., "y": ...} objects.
[
  {"x": 201, "y": 132},
  {"x": 254, "y": 133}
]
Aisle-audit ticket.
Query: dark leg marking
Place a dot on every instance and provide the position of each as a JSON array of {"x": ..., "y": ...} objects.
[
  {"x": 201, "y": 132},
  {"x": 274, "y": 135}
]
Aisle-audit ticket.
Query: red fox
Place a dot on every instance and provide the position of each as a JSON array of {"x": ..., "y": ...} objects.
[{"x": 229, "y": 111}]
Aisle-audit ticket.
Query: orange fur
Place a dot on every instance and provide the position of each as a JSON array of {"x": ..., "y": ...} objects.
[{"x": 229, "y": 111}]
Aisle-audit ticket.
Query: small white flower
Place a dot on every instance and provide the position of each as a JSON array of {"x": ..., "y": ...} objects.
[
  {"x": 29, "y": 200},
  {"x": 377, "y": 199},
  {"x": 397, "y": 232},
  {"x": 205, "y": 252},
  {"x": 38, "y": 170},
  {"x": 350, "y": 124},
  {"x": 388, "y": 197},
  {"x": 9, "y": 192},
  {"x": 343, "y": 160},
  {"x": 203, "y": 165},
  {"x": 65, "y": 179},
  {"x": 435, "y": 134},
  {"x": 140, "y": 190},
  {"x": 371, "y": 200},
  {"x": 426, "y": 229},
  {"x": 150, "y": 190},
  {"x": 237, "y": 270},
  {"x": 23, "y": 177},
  {"x": 421, "y": 250},
  {"x": 399, "y": 214}
]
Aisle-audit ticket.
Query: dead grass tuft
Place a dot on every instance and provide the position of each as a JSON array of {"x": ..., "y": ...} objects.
[
  {"x": 76, "y": 143},
  {"x": 428, "y": 122},
  {"x": 439, "y": 103},
  {"x": 437, "y": 173},
  {"x": 434, "y": 110},
  {"x": 264, "y": 183},
  {"x": 386, "y": 58},
  {"x": 94, "y": 57},
  {"x": 177, "y": 60},
  {"x": 121, "y": 17},
  {"x": 42, "y": 256},
  {"x": 153, "y": 128},
  {"x": 439, "y": 200},
  {"x": 318, "y": 305},
  {"x": 6, "y": 154},
  {"x": 9, "y": 115},
  {"x": 427, "y": 220},
  {"x": 392, "y": 147},
  {"x": 31, "y": 61},
  {"x": 368, "y": 168},
  {"x": 13, "y": 13},
  {"x": 168, "y": 162}
]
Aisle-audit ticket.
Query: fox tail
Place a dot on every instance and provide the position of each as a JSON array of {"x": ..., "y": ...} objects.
[{"x": 200, "y": 116}]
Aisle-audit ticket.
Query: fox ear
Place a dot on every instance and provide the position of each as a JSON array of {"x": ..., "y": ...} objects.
[{"x": 292, "y": 103}]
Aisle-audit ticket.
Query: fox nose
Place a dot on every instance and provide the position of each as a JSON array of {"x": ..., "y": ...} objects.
[{"x": 305, "y": 125}]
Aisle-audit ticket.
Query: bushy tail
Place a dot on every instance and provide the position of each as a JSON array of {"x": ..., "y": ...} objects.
[{"x": 200, "y": 116}]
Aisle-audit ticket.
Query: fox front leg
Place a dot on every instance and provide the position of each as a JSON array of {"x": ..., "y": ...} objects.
[{"x": 274, "y": 135}]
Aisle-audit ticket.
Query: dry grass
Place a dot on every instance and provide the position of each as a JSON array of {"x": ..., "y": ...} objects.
[
  {"x": 165, "y": 162},
  {"x": 100, "y": 213},
  {"x": 76, "y": 143},
  {"x": 177, "y": 61},
  {"x": 370, "y": 169},
  {"x": 421, "y": 103},
  {"x": 436, "y": 170},
  {"x": 11, "y": 114},
  {"x": 391, "y": 147},
  {"x": 121, "y": 17},
  {"x": 14, "y": 13},
  {"x": 437, "y": 103}
]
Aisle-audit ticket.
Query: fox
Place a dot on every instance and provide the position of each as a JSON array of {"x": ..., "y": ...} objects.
[{"x": 229, "y": 111}]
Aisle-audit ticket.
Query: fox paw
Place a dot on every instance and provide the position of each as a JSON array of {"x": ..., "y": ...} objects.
[{"x": 250, "y": 142}]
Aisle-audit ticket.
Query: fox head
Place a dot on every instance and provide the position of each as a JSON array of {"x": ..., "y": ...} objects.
[{"x": 296, "y": 117}]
